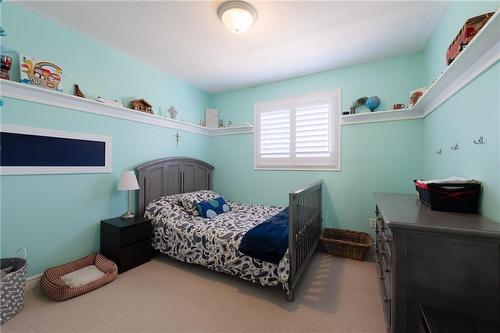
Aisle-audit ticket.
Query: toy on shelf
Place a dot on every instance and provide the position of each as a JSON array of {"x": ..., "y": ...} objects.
[
  {"x": 415, "y": 96},
  {"x": 398, "y": 106},
  {"x": 41, "y": 73},
  {"x": 78, "y": 92},
  {"x": 5, "y": 64},
  {"x": 470, "y": 29},
  {"x": 357, "y": 103},
  {"x": 141, "y": 105},
  {"x": 109, "y": 102}
]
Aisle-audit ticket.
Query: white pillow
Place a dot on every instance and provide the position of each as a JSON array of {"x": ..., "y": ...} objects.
[{"x": 82, "y": 276}]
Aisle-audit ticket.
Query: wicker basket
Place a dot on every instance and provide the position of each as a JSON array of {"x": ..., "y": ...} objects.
[{"x": 346, "y": 243}]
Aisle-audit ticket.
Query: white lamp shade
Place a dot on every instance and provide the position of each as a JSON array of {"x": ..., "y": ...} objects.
[{"x": 128, "y": 181}]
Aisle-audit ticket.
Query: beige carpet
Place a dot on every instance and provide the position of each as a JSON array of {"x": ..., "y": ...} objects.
[{"x": 335, "y": 295}]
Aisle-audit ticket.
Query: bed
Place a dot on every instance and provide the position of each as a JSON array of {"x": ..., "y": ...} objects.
[{"x": 214, "y": 243}]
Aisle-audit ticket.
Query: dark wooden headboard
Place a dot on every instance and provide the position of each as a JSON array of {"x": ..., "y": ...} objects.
[{"x": 171, "y": 175}]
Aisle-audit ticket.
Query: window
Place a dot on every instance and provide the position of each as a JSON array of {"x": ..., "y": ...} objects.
[{"x": 298, "y": 133}]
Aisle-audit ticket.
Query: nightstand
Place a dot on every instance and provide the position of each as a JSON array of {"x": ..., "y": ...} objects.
[{"x": 126, "y": 242}]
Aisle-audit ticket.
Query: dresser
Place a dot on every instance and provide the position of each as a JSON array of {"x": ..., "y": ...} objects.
[
  {"x": 126, "y": 242},
  {"x": 447, "y": 261}
]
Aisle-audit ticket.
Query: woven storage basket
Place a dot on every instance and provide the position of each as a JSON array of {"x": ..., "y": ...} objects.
[
  {"x": 12, "y": 287},
  {"x": 346, "y": 243}
]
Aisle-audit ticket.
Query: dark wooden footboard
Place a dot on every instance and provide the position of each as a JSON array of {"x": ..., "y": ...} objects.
[{"x": 304, "y": 229}]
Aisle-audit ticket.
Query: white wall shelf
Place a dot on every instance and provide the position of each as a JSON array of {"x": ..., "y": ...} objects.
[
  {"x": 54, "y": 98},
  {"x": 481, "y": 53}
]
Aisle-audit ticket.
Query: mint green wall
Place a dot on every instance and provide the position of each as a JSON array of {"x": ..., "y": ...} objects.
[
  {"x": 56, "y": 217},
  {"x": 375, "y": 157},
  {"x": 473, "y": 112}
]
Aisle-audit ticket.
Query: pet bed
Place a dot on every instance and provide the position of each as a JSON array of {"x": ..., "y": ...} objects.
[{"x": 56, "y": 289}]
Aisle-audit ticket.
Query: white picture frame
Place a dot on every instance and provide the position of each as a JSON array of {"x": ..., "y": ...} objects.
[
  {"x": 26, "y": 170},
  {"x": 211, "y": 118}
]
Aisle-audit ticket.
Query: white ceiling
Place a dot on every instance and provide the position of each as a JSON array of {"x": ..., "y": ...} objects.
[{"x": 289, "y": 38}]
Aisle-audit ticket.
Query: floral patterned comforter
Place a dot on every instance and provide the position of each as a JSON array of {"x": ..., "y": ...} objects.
[{"x": 214, "y": 243}]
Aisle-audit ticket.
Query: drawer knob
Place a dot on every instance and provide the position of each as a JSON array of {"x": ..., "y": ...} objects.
[{"x": 386, "y": 299}]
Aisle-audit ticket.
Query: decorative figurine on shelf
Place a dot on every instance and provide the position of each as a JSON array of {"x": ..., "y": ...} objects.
[
  {"x": 5, "y": 64},
  {"x": 415, "y": 96},
  {"x": 357, "y": 103},
  {"x": 78, "y": 92},
  {"x": 372, "y": 103},
  {"x": 221, "y": 123},
  {"x": 398, "y": 106},
  {"x": 229, "y": 123},
  {"x": 141, "y": 105},
  {"x": 41, "y": 73},
  {"x": 173, "y": 112}
]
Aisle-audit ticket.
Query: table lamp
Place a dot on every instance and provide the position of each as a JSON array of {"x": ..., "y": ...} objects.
[{"x": 128, "y": 182}]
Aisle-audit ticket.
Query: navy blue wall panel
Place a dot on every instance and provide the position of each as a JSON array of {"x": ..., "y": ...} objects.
[{"x": 35, "y": 150}]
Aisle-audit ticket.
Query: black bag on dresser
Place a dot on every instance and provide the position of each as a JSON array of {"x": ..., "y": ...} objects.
[{"x": 462, "y": 197}]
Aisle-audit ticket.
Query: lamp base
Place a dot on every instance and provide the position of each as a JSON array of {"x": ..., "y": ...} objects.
[{"x": 128, "y": 215}]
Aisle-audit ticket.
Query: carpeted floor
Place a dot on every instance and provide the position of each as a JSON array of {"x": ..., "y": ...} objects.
[{"x": 335, "y": 295}]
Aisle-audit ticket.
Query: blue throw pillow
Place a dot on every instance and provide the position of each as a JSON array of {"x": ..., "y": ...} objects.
[{"x": 212, "y": 207}]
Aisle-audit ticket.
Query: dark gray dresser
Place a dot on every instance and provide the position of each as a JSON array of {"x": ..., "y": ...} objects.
[{"x": 448, "y": 261}]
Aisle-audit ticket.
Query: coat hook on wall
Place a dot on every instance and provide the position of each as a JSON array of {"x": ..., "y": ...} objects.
[
  {"x": 439, "y": 152},
  {"x": 455, "y": 147},
  {"x": 480, "y": 141}
]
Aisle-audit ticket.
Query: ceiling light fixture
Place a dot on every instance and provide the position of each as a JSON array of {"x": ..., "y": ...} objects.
[{"x": 237, "y": 16}]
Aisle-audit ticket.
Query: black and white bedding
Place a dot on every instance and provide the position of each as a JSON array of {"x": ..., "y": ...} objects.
[{"x": 214, "y": 242}]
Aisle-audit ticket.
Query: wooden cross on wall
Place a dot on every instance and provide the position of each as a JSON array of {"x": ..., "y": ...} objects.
[{"x": 177, "y": 137}]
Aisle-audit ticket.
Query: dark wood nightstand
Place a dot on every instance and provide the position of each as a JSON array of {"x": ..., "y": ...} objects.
[{"x": 126, "y": 242}]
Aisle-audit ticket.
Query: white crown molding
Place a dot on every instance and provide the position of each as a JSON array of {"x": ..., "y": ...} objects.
[
  {"x": 35, "y": 94},
  {"x": 481, "y": 53}
]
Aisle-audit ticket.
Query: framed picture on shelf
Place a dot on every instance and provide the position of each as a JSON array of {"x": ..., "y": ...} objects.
[{"x": 212, "y": 118}]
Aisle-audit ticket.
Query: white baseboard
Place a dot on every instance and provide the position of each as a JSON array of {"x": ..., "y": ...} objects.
[{"x": 33, "y": 282}]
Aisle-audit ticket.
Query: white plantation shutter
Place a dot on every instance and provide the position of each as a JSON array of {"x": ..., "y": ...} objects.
[
  {"x": 275, "y": 134},
  {"x": 298, "y": 133}
]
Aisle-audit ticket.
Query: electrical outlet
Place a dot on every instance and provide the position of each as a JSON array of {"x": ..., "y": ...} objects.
[{"x": 373, "y": 222}]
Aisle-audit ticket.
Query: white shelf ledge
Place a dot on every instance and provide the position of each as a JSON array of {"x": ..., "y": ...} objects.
[
  {"x": 482, "y": 52},
  {"x": 378, "y": 116},
  {"x": 35, "y": 94}
]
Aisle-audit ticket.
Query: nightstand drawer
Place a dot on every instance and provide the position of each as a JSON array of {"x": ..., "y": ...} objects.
[
  {"x": 136, "y": 234},
  {"x": 134, "y": 255}
]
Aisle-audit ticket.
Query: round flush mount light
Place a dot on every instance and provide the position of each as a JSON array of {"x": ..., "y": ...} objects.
[{"x": 237, "y": 16}]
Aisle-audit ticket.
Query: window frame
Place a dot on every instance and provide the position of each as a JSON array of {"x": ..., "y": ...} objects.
[{"x": 334, "y": 98}]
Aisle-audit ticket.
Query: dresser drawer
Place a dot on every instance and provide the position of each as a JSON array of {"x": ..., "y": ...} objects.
[
  {"x": 135, "y": 255},
  {"x": 136, "y": 234}
]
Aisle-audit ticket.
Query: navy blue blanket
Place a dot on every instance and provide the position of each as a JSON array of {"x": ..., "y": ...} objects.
[{"x": 267, "y": 241}]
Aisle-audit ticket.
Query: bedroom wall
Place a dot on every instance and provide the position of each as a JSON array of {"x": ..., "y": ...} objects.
[
  {"x": 384, "y": 156},
  {"x": 56, "y": 217},
  {"x": 472, "y": 112}
]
